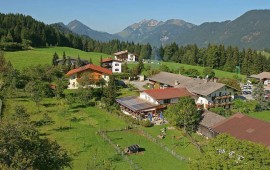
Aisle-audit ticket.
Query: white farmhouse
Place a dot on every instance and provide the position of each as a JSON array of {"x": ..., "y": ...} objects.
[
  {"x": 125, "y": 56},
  {"x": 209, "y": 93},
  {"x": 114, "y": 65}
]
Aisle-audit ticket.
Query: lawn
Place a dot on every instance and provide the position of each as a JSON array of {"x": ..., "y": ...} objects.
[
  {"x": 263, "y": 115},
  {"x": 87, "y": 147},
  {"x": 79, "y": 137},
  {"x": 176, "y": 140},
  {"x": 23, "y": 59},
  {"x": 154, "y": 157}
]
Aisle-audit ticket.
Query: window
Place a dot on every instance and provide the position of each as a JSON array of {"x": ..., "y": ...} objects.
[
  {"x": 167, "y": 101},
  {"x": 116, "y": 64},
  {"x": 116, "y": 69}
]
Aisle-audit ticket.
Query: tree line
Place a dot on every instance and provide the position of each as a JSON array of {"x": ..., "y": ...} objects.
[
  {"x": 232, "y": 59},
  {"x": 19, "y": 32}
]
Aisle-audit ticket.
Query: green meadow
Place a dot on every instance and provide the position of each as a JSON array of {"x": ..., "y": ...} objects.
[
  {"x": 75, "y": 129},
  {"x": 263, "y": 115},
  {"x": 23, "y": 59}
]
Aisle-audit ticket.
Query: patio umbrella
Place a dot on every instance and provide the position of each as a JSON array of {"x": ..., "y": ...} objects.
[
  {"x": 161, "y": 115},
  {"x": 150, "y": 117}
]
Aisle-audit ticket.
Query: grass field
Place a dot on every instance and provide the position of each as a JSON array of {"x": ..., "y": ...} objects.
[
  {"x": 22, "y": 59},
  {"x": 87, "y": 147},
  {"x": 263, "y": 115},
  {"x": 174, "y": 66},
  {"x": 265, "y": 53}
]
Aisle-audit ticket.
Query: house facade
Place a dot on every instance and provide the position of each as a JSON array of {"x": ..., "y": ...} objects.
[
  {"x": 151, "y": 101},
  {"x": 263, "y": 77},
  {"x": 209, "y": 93},
  {"x": 94, "y": 73},
  {"x": 114, "y": 65},
  {"x": 125, "y": 56}
]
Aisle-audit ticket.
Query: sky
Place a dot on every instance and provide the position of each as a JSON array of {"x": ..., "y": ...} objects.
[{"x": 113, "y": 16}]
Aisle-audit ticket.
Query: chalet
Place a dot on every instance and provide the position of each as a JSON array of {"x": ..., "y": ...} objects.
[
  {"x": 209, "y": 119},
  {"x": 125, "y": 56},
  {"x": 111, "y": 64},
  {"x": 244, "y": 127},
  {"x": 264, "y": 77},
  {"x": 94, "y": 72},
  {"x": 151, "y": 101},
  {"x": 209, "y": 93}
]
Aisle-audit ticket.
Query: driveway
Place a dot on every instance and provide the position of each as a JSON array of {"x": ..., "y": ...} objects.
[{"x": 139, "y": 84}]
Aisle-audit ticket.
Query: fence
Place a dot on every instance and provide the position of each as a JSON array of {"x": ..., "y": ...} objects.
[
  {"x": 118, "y": 149},
  {"x": 172, "y": 152}
]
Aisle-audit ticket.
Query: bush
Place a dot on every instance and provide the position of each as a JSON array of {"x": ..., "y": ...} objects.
[{"x": 146, "y": 123}]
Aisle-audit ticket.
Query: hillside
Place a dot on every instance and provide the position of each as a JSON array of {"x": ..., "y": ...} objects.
[
  {"x": 23, "y": 59},
  {"x": 81, "y": 29},
  {"x": 250, "y": 30}
]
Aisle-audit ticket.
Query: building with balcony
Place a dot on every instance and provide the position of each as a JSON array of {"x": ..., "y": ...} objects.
[
  {"x": 209, "y": 93},
  {"x": 125, "y": 56}
]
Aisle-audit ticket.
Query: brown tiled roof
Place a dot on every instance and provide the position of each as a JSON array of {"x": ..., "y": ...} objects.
[
  {"x": 263, "y": 75},
  {"x": 210, "y": 119},
  {"x": 90, "y": 67},
  {"x": 168, "y": 93},
  {"x": 120, "y": 52},
  {"x": 109, "y": 60},
  {"x": 244, "y": 127},
  {"x": 194, "y": 85}
]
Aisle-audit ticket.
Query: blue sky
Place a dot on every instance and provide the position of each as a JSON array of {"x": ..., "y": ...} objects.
[{"x": 114, "y": 15}]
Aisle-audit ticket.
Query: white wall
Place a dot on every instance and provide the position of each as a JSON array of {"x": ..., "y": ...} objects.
[
  {"x": 206, "y": 100},
  {"x": 73, "y": 84},
  {"x": 131, "y": 57},
  {"x": 116, "y": 67},
  {"x": 148, "y": 98}
]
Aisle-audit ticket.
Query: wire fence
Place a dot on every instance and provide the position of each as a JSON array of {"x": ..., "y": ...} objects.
[
  {"x": 106, "y": 138},
  {"x": 162, "y": 145}
]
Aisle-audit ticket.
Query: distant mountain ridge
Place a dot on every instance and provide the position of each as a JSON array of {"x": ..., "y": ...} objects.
[
  {"x": 250, "y": 30},
  {"x": 81, "y": 29}
]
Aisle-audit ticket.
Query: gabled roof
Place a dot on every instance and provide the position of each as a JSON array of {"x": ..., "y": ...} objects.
[
  {"x": 121, "y": 52},
  {"x": 168, "y": 93},
  {"x": 109, "y": 60},
  {"x": 90, "y": 67},
  {"x": 263, "y": 75},
  {"x": 210, "y": 119},
  {"x": 244, "y": 127},
  {"x": 194, "y": 85}
]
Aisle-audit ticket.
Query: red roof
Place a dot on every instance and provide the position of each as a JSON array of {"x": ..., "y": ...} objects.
[
  {"x": 168, "y": 93},
  {"x": 246, "y": 128},
  {"x": 89, "y": 67}
]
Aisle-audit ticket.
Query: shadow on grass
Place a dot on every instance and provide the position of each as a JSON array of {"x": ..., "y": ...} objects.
[
  {"x": 49, "y": 104},
  {"x": 62, "y": 128},
  {"x": 44, "y": 134}
]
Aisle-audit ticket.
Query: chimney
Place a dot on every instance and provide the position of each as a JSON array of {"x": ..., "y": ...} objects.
[{"x": 206, "y": 79}]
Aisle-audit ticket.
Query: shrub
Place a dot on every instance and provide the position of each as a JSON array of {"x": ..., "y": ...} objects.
[{"x": 146, "y": 123}]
